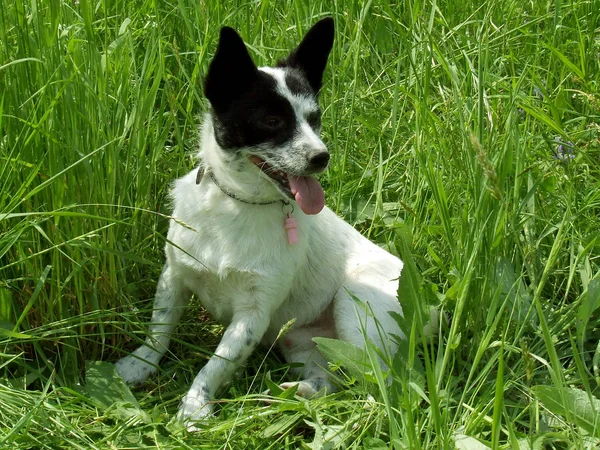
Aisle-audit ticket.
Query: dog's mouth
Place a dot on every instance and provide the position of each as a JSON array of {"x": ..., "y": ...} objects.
[{"x": 305, "y": 189}]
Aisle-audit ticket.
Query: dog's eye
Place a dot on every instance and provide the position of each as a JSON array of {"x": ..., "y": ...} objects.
[{"x": 272, "y": 122}]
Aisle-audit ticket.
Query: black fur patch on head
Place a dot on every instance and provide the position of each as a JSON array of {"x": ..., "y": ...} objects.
[
  {"x": 297, "y": 83},
  {"x": 259, "y": 115},
  {"x": 247, "y": 110}
]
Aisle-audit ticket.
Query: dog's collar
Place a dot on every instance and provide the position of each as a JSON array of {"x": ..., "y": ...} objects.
[
  {"x": 231, "y": 194},
  {"x": 235, "y": 197},
  {"x": 290, "y": 225}
]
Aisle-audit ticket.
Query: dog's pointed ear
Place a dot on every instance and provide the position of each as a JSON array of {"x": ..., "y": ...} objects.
[
  {"x": 231, "y": 72},
  {"x": 312, "y": 53}
]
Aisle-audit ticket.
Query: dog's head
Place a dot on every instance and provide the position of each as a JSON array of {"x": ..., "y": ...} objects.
[{"x": 269, "y": 117}]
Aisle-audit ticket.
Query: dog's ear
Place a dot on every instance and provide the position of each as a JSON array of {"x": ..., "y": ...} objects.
[
  {"x": 231, "y": 72},
  {"x": 312, "y": 53}
]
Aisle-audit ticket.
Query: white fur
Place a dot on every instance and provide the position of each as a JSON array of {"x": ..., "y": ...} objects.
[{"x": 235, "y": 257}]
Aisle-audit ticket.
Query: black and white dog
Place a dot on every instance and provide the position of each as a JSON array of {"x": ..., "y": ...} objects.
[{"x": 251, "y": 236}]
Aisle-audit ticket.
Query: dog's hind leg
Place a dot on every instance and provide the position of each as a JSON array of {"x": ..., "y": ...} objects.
[
  {"x": 361, "y": 310},
  {"x": 297, "y": 346},
  {"x": 169, "y": 303}
]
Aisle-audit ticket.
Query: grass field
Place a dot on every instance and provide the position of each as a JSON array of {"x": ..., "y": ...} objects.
[{"x": 465, "y": 137}]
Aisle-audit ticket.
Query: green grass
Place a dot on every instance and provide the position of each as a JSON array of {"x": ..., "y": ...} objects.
[{"x": 442, "y": 118}]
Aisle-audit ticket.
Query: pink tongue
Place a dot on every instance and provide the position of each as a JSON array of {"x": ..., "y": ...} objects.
[{"x": 308, "y": 192}]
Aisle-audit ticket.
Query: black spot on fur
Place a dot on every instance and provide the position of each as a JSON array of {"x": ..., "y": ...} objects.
[
  {"x": 163, "y": 312},
  {"x": 317, "y": 383},
  {"x": 297, "y": 83},
  {"x": 249, "y": 338},
  {"x": 314, "y": 120}
]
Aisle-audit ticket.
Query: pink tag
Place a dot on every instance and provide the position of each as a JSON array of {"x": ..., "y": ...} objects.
[{"x": 291, "y": 227}]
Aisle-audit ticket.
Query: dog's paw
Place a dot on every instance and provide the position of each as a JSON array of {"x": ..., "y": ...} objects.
[
  {"x": 305, "y": 389},
  {"x": 193, "y": 410},
  {"x": 134, "y": 370},
  {"x": 309, "y": 388}
]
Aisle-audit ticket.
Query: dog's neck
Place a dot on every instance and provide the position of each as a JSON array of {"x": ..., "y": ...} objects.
[{"x": 236, "y": 175}]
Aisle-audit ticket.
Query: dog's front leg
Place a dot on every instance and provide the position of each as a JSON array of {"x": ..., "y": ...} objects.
[
  {"x": 240, "y": 339},
  {"x": 171, "y": 297}
]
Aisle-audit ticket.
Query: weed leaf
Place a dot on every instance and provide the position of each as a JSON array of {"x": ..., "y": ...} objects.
[
  {"x": 464, "y": 442},
  {"x": 590, "y": 302},
  {"x": 108, "y": 390},
  {"x": 349, "y": 356},
  {"x": 577, "y": 406}
]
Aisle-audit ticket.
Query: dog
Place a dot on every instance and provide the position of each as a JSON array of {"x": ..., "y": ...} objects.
[{"x": 251, "y": 238}]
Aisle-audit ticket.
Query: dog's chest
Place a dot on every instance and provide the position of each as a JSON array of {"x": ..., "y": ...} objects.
[
  {"x": 226, "y": 240},
  {"x": 226, "y": 264},
  {"x": 221, "y": 296},
  {"x": 229, "y": 253}
]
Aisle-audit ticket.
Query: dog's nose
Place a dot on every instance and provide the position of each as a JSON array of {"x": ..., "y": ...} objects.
[{"x": 319, "y": 160}]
